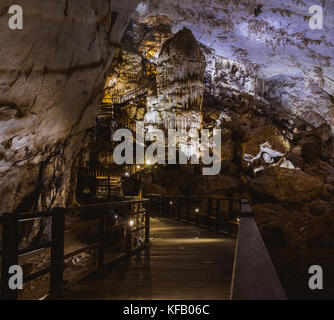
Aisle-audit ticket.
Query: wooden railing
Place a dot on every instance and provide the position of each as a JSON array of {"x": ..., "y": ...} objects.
[
  {"x": 218, "y": 213},
  {"x": 128, "y": 96},
  {"x": 254, "y": 276},
  {"x": 135, "y": 219}
]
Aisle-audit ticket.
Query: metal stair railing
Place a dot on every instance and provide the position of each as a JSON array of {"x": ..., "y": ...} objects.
[{"x": 130, "y": 95}]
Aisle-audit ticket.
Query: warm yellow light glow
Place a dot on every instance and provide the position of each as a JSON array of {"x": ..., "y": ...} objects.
[
  {"x": 170, "y": 202},
  {"x": 86, "y": 191},
  {"x": 131, "y": 223},
  {"x": 196, "y": 210}
]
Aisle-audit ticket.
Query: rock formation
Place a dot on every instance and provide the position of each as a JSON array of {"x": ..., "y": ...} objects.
[
  {"x": 178, "y": 99},
  {"x": 51, "y": 79},
  {"x": 268, "y": 86},
  {"x": 180, "y": 73},
  {"x": 291, "y": 65}
]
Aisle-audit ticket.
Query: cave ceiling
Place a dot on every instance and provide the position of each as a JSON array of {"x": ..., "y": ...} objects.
[{"x": 272, "y": 39}]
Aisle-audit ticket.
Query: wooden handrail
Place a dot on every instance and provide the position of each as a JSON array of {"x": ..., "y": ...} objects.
[
  {"x": 254, "y": 275},
  {"x": 179, "y": 207},
  {"x": 10, "y": 239},
  {"x": 23, "y": 216},
  {"x": 128, "y": 96}
]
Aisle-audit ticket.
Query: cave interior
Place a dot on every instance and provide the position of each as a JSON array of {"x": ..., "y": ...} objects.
[{"x": 254, "y": 70}]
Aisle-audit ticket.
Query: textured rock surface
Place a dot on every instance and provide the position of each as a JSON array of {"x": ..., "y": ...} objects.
[
  {"x": 134, "y": 66},
  {"x": 292, "y": 186},
  {"x": 178, "y": 99},
  {"x": 51, "y": 85},
  {"x": 180, "y": 73},
  {"x": 127, "y": 74},
  {"x": 282, "y": 226},
  {"x": 51, "y": 77},
  {"x": 293, "y": 62},
  {"x": 266, "y": 142}
]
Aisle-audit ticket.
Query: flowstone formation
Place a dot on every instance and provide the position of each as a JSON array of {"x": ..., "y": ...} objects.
[{"x": 178, "y": 100}]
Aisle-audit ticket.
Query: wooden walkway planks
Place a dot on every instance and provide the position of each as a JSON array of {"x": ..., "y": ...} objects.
[{"x": 182, "y": 262}]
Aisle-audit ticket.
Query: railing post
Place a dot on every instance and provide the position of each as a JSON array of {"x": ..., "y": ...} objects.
[
  {"x": 151, "y": 203},
  {"x": 109, "y": 187},
  {"x": 173, "y": 207},
  {"x": 100, "y": 251},
  {"x": 218, "y": 215},
  {"x": 57, "y": 252},
  {"x": 179, "y": 204},
  {"x": 147, "y": 226},
  {"x": 229, "y": 216},
  {"x": 197, "y": 212},
  {"x": 209, "y": 211},
  {"x": 230, "y": 209},
  {"x": 128, "y": 239},
  {"x": 168, "y": 207},
  {"x": 187, "y": 209},
  {"x": 9, "y": 255},
  {"x": 163, "y": 206}
]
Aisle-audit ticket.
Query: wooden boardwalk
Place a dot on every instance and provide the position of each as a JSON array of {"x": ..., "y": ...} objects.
[{"x": 182, "y": 262}]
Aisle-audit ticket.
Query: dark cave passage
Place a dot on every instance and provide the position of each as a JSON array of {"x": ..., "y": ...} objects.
[{"x": 109, "y": 106}]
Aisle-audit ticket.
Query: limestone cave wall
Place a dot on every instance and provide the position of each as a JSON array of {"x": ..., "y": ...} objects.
[{"x": 52, "y": 73}]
